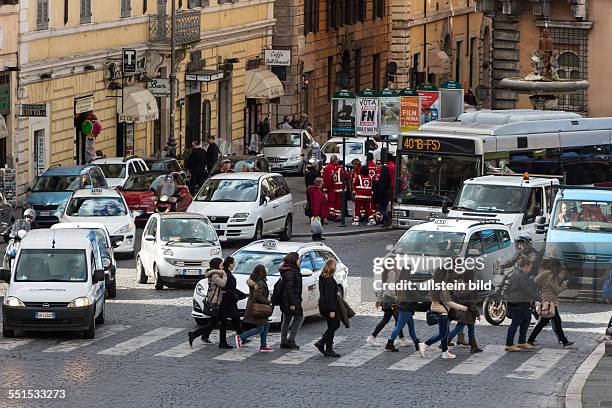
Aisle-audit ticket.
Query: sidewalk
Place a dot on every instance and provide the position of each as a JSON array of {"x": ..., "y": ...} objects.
[
  {"x": 597, "y": 391},
  {"x": 301, "y": 225}
]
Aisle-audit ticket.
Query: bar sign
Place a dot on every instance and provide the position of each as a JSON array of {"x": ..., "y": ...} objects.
[{"x": 33, "y": 110}]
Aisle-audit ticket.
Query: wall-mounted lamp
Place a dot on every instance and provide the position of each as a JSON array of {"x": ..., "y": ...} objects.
[
  {"x": 89, "y": 67},
  {"x": 46, "y": 75}
]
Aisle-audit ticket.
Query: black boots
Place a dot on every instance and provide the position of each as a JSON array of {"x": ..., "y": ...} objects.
[
  {"x": 473, "y": 346},
  {"x": 461, "y": 340},
  {"x": 390, "y": 346},
  {"x": 320, "y": 345},
  {"x": 192, "y": 337}
]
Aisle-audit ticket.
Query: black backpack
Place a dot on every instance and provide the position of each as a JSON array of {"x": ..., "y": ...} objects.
[{"x": 276, "y": 293}]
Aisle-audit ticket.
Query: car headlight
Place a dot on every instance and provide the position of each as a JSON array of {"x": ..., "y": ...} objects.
[
  {"x": 295, "y": 158},
  {"x": 167, "y": 252},
  {"x": 215, "y": 252},
  {"x": 12, "y": 301},
  {"x": 125, "y": 229},
  {"x": 79, "y": 302},
  {"x": 200, "y": 290},
  {"x": 241, "y": 215}
]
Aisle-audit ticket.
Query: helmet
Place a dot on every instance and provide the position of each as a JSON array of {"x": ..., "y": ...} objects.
[
  {"x": 30, "y": 213},
  {"x": 526, "y": 238},
  {"x": 169, "y": 177}
]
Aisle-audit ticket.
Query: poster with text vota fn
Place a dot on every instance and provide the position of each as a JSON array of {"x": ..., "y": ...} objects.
[{"x": 367, "y": 116}]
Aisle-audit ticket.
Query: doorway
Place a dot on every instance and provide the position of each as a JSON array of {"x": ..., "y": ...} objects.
[{"x": 193, "y": 118}]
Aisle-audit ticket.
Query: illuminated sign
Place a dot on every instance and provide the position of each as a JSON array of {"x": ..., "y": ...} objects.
[{"x": 438, "y": 145}]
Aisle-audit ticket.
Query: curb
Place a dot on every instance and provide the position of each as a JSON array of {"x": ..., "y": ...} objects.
[
  {"x": 358, "y": 231},
  {"x": 573, "y": 394}
]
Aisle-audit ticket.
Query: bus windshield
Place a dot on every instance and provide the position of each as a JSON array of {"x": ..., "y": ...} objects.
[{"x": 431, "y": 179}]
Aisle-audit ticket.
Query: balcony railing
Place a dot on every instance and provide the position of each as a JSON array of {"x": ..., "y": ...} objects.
[{"x": 187, "y": 27}]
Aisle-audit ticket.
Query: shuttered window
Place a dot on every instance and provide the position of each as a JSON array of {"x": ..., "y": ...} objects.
[
  {"x": 42, "y": 14},
  {"x": 85, "y": 11},
  {"x": 126, "y": 8}
]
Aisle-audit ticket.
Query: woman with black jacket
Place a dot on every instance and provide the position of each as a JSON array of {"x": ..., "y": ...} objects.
[
  {"x": 291, "y": 300},
  {"x": 229, "y": 306},
  {"x": 328, "y": 298},
  {"x": 381, "y": 189}
]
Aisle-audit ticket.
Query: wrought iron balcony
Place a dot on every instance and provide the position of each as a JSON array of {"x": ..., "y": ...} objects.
[{"x": 187, "y": 27}]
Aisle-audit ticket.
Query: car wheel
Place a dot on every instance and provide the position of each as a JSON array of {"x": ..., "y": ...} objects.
[
  {"x": 90, "y": 333},
  {"x": 100, "y": 318},
  {"x": 285, "y": 235},
  {"x": 159, "y": 285},
  {"x": 200, "y": 321},
  {"x": 141, "y": 276},
  {"x": 112, "y": 289},
  {"x": 258, "y": 231}
]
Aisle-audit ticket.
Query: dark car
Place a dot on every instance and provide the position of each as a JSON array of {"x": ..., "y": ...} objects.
[
  {"x": 241, "y": 163},
  {"x": 167, "y": 165}
]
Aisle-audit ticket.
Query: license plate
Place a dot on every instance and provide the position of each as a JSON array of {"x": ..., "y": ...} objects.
[
  {"x": 44, "y": 213},
  {"x": 44, "y": 315},
  {"x": 192, "y": 272}
]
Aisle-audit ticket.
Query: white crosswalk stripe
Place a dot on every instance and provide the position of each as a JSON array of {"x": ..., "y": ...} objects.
[
  {"x": 305, "y": 352},
  {"x": 101, "y": 334},
  {"x": 184, "y": 349},
  {"x": 414, "y": 362},
  {"x": 359, "y": 357},
  {"x": 477, "y": 363},
  {"x": 138, "y": 342},
  {"x": 246, "y": 352},
  {"x": 539, "y": 364},
  {"x": 10, "y": 344}
]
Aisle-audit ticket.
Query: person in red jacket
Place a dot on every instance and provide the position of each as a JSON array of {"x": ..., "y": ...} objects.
[
  {"x": 372, "y": 172},
  {"x": 327, "y": 174},
  {"x": 362, "y": 186},
  {"x": 335, "y": 194},
  {"x": 391, "y": 166},
  {"x": 319, "y": 206}
]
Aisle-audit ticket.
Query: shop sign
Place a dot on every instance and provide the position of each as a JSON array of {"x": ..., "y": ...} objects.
[
  {"x": 33, "y": 110},
  {"x": 159, "y": 87},
  {"x": 85, "y": 104},
  {"x": 277, "y": 58},
  {"x": 115, "y": 69}
]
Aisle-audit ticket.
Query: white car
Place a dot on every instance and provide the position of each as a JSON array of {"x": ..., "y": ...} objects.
[
  {"x": 105, "y": 245},
  {"x": 246, "y": 206},
  {"x": 118, "y": 169},
  {"x": 288, "y": 150},
  {"x": 270, "y": 253},
  {"x": 107, "y": 207},
  {"x": 176, "y": 249},
  {"x": 355, "y": 149}
]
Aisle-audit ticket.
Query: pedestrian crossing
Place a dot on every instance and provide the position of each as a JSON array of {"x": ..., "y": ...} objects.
[{"x": 117, "y": 340}]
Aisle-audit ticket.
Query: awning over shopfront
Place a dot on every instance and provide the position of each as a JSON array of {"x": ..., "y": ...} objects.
[
  {"x": 261, "y": 83},
  {"x": 139, "y": 106},
  {"x": 439, "y": 62},
  {"x": 3, "y": 128}
]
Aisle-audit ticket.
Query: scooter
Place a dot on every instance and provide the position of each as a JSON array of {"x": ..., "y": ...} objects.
[
  {"x": 165, "y": 203},
  {"x": 18, "y": 232}
]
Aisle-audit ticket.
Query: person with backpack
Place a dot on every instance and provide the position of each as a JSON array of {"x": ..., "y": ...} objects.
[
  {"x": 258, "y": 295},
  {"x": 290, "y": 300},
  {"x": 217, "y": 280},
  {"x": 405, "y": 310},
  {"x": 328, "y": 308},
  {"x": 552, "y": 281}
]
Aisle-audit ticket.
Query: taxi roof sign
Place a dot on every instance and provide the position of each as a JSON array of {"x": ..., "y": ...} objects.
[
  {"x": 270, "y": 244},
  {"x": 96, "y": 190}
]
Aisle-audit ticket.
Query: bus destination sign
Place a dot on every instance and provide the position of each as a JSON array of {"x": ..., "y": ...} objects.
[{"x": 438, "y": 144}]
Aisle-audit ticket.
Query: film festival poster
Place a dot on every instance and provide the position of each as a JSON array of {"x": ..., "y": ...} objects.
[{"x": 409, "y": 113}]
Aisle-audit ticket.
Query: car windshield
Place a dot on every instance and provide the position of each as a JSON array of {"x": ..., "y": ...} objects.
[
  {"x": 187, "y": 230},
  {"x": 282, "y": 139},
  {"x": 157, "y": 166},
  {"x": 96, "y": 207},
  {"x": 113, "y": 170},
  {"x": 242, "y": 165},
  {"x": 430, "y": 243},
  {"x": 246, "y": 261},
  {"x": 139, "y": 182},
  {"x": 56, "y": 183},
  {"x": 483, "y": 197},
  {"x": 586, "y": 216},
  {"x": 336, "y": 147},
  {"x": 178, "y": 180},
  {"x": 228, "y": 190},
  {"x": 51, "y": 265}
]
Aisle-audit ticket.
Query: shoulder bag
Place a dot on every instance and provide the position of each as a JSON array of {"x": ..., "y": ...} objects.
[{"x": 211, "y": 309}]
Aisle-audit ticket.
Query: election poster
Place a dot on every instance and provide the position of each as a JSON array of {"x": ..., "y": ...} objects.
[
  {"x": 367, "y": 116},
  {"x": 410, "y": 110},
  {"x": 430, "y": 103},
  {"x": 343, "y": 114},
  {"x": 389, "y": 115}
]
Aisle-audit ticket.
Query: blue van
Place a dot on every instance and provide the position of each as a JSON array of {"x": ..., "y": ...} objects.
[
  {"x": 579, "y": 234},
  {"x": 51, "y": 191}
]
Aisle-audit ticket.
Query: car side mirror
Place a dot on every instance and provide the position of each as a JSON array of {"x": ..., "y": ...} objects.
[
  {"x": 540, "y": 220},
  {"x": 5, "y": 275},
  {"x": 149, "y": 238},
  {"x": 98, "y": 275},
  {"x": 306, "y": 272},
  {"x": 116, "y": 241},
  {"x": 541, "y": 226}
]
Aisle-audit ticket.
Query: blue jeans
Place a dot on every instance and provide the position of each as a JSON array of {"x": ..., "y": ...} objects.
[
  {"x": 404, "y": 318},
  {"x": 261, "y": 329},
  {"x": 459, "y": 329},
  {"x": 521, "y": 316},
  {"x": 442, "y": 335}
]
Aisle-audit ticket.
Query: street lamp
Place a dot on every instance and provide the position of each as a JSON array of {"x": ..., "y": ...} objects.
[{"x": 171, "y": 143}]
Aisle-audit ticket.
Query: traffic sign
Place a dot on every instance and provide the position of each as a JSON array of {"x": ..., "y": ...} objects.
[{"x": 129, "y": 61}]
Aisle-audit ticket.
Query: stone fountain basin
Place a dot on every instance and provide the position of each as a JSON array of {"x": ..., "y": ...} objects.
[{"x": 542, "y": 87}]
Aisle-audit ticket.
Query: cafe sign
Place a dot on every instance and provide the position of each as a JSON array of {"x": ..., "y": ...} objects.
[{"x": 277, "y": 58}]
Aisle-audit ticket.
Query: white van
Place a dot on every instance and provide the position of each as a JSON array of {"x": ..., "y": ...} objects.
[{"x": 56, "y": 284}]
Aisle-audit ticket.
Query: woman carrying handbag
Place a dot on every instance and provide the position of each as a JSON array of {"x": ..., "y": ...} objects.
[
  {"x": 258, "y": 309},
  {"x": 329, "y": 308}
]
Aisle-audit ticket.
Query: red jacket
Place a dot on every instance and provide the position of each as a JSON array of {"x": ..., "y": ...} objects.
[
  {"x": 391, "y": 167},
  {"x": 362, "y": 186},
  {"x": 319, "y": 206},
  {"x": 338, "y": 177},
  {"x": 328, "y": 172},
  {"x": 372, "y": 169}
]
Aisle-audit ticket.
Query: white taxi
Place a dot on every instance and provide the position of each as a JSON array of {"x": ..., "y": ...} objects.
[
  {"x": 118, "y": 169},
  {"x": 176, "y": 249},
  {"x": 107, "y": 207},
  {"x": 246, "y": 206},
  {"x": 270, "y": 253}
]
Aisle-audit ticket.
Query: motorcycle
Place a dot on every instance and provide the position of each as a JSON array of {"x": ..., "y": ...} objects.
[
  {"x": 18, "y": 231},
  {"x": 495, "y": 307},
  {"x": 165, "y": 199}
]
